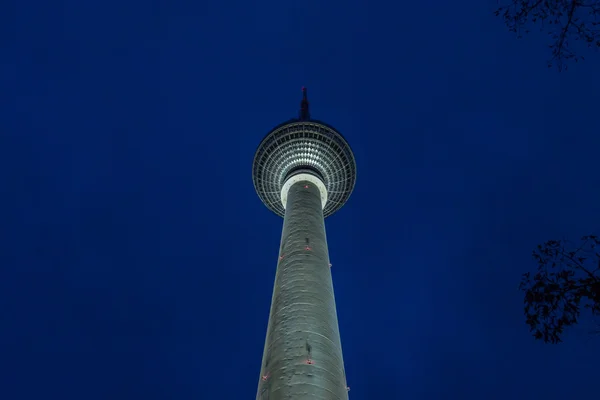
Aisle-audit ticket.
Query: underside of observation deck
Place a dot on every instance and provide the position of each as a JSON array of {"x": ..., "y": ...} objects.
[{"x": 309, "y": 145}]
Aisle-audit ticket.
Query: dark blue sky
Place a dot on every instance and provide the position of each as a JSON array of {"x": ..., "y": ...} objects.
[{"x": 136, "y": 261}]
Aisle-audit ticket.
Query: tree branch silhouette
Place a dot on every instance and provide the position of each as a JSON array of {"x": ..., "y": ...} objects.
[
  {"x": 561, "y": 287},
  {"x": 564, "y": 20}
]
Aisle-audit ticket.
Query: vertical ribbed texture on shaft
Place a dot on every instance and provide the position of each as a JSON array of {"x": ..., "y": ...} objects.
[{"x": 303, "y": 355}]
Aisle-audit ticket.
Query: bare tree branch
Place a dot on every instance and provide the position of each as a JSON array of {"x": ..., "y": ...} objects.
[
  {"x": 563, "y": 284},
  {"x": 565, "y": 20}
]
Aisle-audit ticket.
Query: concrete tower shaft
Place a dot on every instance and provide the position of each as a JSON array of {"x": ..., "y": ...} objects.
[
  {"x": 302, "y": 358},
  {"x": 303, "y": 171}
]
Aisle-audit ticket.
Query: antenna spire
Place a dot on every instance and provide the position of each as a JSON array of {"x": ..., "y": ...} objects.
[{"x": 304, "y": 114}]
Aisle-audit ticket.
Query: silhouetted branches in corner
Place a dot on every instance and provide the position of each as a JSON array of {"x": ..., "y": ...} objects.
[
  {"x": 567, "y": 280},
  {"x": 564, "y": 20}
]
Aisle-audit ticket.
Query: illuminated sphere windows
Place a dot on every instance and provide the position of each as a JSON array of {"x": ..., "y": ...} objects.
[{"x": 302, "y": 146}]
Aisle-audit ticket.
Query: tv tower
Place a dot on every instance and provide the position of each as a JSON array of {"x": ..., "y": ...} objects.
[{"x": 303, "y": 171}]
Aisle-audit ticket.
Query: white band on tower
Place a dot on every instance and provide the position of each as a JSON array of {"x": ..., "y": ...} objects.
[{"x": 304, "y": 177}]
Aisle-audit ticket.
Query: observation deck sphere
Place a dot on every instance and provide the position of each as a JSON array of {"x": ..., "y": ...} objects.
[{"x": 304, "y": 146}]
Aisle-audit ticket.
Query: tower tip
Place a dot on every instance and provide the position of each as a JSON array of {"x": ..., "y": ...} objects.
[{"x": 304, "y": 114}]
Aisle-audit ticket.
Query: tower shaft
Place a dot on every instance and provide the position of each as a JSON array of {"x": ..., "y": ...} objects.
[{"x": 302, "y": 358}]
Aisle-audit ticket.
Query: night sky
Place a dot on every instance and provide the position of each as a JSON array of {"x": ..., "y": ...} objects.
[{"x": 137, "y": 262}]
